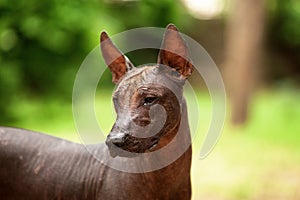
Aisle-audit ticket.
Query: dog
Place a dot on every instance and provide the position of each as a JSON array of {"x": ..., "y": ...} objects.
[{"x": 38, "y": 166}]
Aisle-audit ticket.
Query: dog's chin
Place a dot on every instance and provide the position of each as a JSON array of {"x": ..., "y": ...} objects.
[{"x": 115, "y": 151}]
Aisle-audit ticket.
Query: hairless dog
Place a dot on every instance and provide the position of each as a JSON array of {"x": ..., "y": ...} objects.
[{"x": 38, "y": 166}]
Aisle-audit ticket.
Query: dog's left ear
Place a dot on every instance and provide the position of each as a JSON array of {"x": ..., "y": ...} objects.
[
  {"x": 117, "y": 62},
  {"x": 174, "y": 52}
]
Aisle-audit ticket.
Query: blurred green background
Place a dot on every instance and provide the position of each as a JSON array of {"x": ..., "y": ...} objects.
[{"x": 43, "y": 43}]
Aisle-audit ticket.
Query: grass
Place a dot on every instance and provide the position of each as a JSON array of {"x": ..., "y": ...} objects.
[{"x": 257, "y": 161}]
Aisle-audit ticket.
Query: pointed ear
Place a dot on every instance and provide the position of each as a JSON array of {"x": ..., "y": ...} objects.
[
  {"x": 174, "y": 52},
  {"x": 117, "y": 62}
]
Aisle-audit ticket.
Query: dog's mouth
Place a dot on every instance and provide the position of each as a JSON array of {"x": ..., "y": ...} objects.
[{"x": 132, "y": 148}]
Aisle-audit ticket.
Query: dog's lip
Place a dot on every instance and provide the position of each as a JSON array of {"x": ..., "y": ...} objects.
[
  {"x": 132, "y": 151},
  {"x": 154, "y": 144},
  {"x": 155, "y": 141}
]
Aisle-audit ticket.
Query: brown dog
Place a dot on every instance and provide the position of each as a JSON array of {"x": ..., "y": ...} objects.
[{"x": 37, "y": 166}]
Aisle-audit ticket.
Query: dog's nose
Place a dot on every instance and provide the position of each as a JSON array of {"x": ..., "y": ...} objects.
[{"x": 117, "y": 139}]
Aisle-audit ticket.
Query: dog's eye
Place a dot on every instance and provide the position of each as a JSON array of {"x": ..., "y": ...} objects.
[{"x": 149, "y": 101}]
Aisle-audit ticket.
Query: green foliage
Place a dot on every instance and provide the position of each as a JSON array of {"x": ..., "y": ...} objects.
[
  {"x": 286, "y": 22},
  {"x": 43, "y": 43},
  {"x": 283, "y": 37}
]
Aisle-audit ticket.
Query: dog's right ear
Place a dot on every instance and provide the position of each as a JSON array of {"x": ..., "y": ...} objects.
[{"x": 117, "y": 62}]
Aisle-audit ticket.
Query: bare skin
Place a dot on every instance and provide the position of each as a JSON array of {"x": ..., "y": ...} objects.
[{"x": 38, "y": 166}]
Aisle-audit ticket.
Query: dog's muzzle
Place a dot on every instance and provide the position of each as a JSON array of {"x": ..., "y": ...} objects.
[
  {"x": 124, "y": 145},
  {"x": 115, "y": 142}
]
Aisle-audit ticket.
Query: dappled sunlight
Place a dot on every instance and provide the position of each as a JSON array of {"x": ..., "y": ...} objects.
[{"x": 205, "y": 9}]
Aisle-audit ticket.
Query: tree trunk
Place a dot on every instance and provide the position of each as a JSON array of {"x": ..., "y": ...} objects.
[{"x": 243, "y": 53}]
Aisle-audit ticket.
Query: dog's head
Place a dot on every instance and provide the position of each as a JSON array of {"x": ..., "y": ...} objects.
[{"x": 147, "y": 99}]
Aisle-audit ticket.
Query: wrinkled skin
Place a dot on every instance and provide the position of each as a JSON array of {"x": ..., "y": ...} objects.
[
  {"x": 134, "y": 99},
  {"x": 151, "y": 113}
]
